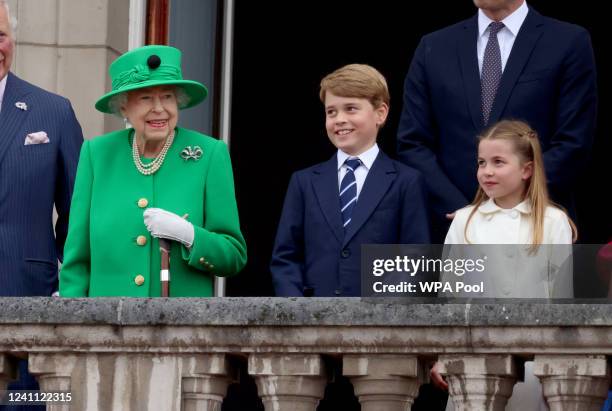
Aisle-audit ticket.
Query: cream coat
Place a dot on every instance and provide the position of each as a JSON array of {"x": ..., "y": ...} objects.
[{"x": 505, "y": 234}]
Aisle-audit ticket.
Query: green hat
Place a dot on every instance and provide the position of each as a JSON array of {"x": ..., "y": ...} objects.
[{"x": 150, "y": 66}]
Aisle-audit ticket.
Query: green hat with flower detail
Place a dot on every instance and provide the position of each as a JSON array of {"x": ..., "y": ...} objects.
[{"x": 150, "y": 66}]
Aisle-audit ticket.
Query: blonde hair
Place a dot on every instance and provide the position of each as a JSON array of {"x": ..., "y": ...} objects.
[
  {"x": 527, "y": 148},
  {"x": 357, "y": 80}
]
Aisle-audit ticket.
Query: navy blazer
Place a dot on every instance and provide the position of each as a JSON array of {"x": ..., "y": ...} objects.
[
  {"x": 549, "y": 81},
  {"x": 313, "y": 255},
  {"x": 32, "y": 179}
]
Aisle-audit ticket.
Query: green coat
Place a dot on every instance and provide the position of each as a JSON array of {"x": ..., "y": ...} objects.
[{"x": 105, "y": 254}]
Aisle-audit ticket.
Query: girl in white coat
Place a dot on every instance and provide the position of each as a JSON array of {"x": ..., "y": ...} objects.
[{"x": 512, "y": 207}]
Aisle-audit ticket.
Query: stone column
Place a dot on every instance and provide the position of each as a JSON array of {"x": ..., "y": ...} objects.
[
  {"x": 383, "y": 382},
  {"x": 479, "y": 382},
  {"x": 289, "y": 382},
  {"x": 573, "y": 382},
  {"x": 53, "y": 372},
  {"x": 205, "y": 382},
  {"x": 7, "y": 371}
]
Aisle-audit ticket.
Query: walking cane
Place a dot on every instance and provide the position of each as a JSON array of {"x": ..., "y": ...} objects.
[{"x": 164, "y": 274}]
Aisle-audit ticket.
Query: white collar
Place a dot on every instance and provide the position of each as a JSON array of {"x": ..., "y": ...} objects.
[
  {"x": 367, "y": 157},
  {"x": 2, "y": 88},
  {"x": 513, "y": 22},
  {"x": 489, "y": 207}
]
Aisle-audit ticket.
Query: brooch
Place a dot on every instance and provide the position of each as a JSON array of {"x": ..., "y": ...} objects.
[
  {"x": 21, "y": 105},
  {"x": 194, "y": 153}
]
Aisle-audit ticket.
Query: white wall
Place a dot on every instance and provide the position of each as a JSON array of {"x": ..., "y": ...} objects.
[{"x": 66, "y": 46}]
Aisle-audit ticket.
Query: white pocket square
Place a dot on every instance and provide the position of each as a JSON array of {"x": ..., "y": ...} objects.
[{"x": 40, "y": 137}]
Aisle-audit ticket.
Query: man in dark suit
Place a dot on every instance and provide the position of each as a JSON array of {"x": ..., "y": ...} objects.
[
  {"x": 359, "y": 196},
  {"x": 40, "y": 140},
  {"x": 462, "y": 79},
  {"x": 472, "y": 74}
]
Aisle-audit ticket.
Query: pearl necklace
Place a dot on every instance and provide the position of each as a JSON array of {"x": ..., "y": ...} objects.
[{"x": 153, "y": 166}]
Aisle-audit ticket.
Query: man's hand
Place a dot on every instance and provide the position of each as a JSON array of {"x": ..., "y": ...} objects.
[
  {"x": 164, "y": 224},
  {"x": 436, "y": 377}
]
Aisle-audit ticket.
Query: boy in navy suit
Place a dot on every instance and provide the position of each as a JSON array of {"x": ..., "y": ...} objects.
[{"x": 359, "y": 196}]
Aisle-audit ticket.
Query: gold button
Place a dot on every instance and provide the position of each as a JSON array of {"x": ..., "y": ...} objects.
[
  {"x": 202, "y": 260},
  {"x": 139, "y": 280},
  {"x": 141, "y": 240},
  {"x": 143, "y": 202}
]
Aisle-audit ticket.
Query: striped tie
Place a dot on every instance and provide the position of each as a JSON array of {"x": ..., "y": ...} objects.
[{"x": 348, "y": 190}]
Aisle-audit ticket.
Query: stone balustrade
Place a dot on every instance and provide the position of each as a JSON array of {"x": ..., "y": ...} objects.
[{"x": 180, "y": 354}]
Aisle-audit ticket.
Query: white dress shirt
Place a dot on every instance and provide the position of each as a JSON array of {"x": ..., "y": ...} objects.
[
  {"x": 505, "y": 36},
  {"x": 511, "y": 271},
  {"x": 367, "y": 159},
  {"x": 2, "y": 88}
]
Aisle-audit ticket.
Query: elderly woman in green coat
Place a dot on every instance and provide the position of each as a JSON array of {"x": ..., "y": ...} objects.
[{"x": 154, "y": 180}]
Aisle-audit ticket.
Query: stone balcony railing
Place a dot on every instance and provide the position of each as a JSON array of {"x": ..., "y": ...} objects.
[{"x": 179, "y": 354}]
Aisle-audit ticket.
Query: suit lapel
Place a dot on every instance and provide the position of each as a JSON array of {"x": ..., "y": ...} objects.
[
  {"x": 325, "y": 186},
  {"x": 377, "y": 183},
  {"x": 469, "y": 68},
  {"x": 11, "y": 117},
  {"x": 528, "y": 36}
]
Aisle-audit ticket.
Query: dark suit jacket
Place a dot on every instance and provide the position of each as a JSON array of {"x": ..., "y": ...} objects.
[
  {"x": 549, "y": 81},
  {"x": 314, "y": 256},
  {"x": 32, "y": 179}
]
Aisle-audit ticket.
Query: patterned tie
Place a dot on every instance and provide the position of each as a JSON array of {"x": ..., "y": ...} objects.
[
  {"x": 348, "y": 190},
  {"x": 491, "y": 70}
]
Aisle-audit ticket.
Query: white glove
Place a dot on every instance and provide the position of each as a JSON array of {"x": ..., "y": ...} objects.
[{"x": 164, "y": 224}]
